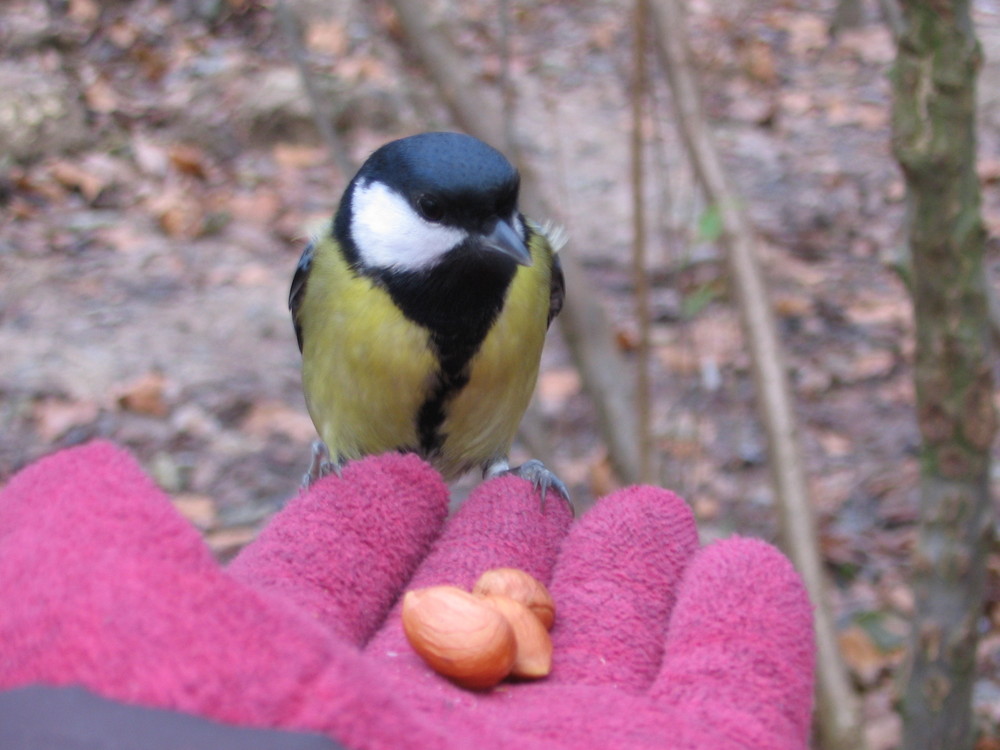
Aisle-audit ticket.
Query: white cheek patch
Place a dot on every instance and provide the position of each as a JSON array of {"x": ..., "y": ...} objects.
[
  {"x": 390, "y": 234},
  {"x": 515, "y": 221}
]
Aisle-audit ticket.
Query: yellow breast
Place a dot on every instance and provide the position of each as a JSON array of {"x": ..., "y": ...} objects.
[{"x": 367, "y": 369}]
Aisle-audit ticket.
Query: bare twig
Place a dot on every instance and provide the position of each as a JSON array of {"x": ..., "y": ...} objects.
[
  {"x": 893, "y": 16},
  {"x": 839, "y": 719},
  {"x": 641, "y": 278},
  {"x": 531, "y": 432},
  {"x": 507, "y": 90},
  {"x": 584, "y": 324},
  {"x": 321, "y": 112}
]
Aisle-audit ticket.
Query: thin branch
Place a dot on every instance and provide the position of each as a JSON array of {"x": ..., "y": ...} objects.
[
  {"x": 839, "y": 719},
  {"x": 641, "y": 278},
  {"x": 507, "y": 90},
  {"x": 531, "y": 432},
  {"x": 893, "y": 17},
  {"x": 322, "y": 115}
]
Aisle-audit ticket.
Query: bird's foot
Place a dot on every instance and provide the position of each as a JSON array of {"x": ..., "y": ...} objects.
[
  {"x": 541, "y": 478},
  {"x": 320, "y": 465}
]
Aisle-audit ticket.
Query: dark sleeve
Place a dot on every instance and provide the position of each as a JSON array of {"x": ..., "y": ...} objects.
[{"x": 41, "y": 717}]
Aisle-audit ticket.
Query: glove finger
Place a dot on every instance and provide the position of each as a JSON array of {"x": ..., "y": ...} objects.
[
  {"x": 343, "y": 549},
  {"x": 502, "y": 524},
  {"x": 740, "y": 645},
  {"x": 614, "y": 587}
]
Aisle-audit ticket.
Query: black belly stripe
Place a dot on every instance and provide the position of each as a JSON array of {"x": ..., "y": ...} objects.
[
  {"x": 454, "y": 355},
  {"x": 431, "y": 415},
  {"x": 457, "y": 301}
]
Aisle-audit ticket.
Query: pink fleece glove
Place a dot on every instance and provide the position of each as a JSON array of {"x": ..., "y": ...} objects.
[{"x": 658, "y": 643}]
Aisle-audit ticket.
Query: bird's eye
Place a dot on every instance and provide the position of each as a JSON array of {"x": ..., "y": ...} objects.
[{"x": 430, "y": 208}]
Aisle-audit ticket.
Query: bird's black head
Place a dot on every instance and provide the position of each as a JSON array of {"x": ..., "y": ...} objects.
[
  {"x": 419, "y": 199},
  {"x": 450, "y": 178}
]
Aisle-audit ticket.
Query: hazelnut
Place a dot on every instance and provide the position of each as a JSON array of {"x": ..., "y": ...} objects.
[
  {"x": 521, "y": 587},
  {"x": 534, "y": 646},
  {"x": 459, "y": 635}
]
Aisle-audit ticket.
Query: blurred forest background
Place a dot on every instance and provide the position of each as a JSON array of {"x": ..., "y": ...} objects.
[{"x": 161, "y": 170}]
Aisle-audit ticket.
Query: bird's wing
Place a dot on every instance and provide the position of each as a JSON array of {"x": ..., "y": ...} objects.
[
  {"x": 557, "y": 288},
  {"x": 298, "y": 291},
  {"x": 553, "y": 238}
]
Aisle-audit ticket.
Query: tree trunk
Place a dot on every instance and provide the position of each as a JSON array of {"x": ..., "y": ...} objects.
[{"x": 934, "y": 141}]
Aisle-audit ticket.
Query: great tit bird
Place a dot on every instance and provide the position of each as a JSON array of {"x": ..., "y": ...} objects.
[{"x": 422, "y": 313}]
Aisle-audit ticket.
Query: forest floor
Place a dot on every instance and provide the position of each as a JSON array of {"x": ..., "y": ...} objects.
[{"x": 162, "y": 174}]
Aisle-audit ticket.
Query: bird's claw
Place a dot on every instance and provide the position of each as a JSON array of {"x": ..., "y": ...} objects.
[
  {"x": 320, "y": 465},
  {"x": 541, "y": 478}
]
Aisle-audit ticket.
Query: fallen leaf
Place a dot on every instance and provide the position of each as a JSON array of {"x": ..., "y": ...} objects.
[
  {"x": 706, "y": 508},
  {"x": 145, "y": 395},
  {"x": 21, "y": 209},
  {"x": 876, "y": 363},
  {"x": 873, "y": 116},
  {"x": 329, "y": 36},
  {"x": 679, "y": 359},
  {"x": 900, "y": 597},
  {"x": 626, "y": 339},
  {"x": 556, "y": 387},
  {"x": 262, "y": 206},
  {"x": 862, "y": 656},
  {"x": 872, "y": 44},
  {"x": 884, "y": 732},
  {"x": 74, "y": 177},
  {"x": 807, "y": 32},
  {"x": 604, "y": 36},
  {"x": 838, "y": 549},
  {"x": 179, "y": 214},
  {"x": 189, "y": 160},
  {"x": 360, "y": 68},
  {"x": 151, "y": 60},
  {"x": 681, "y": 444},
  {"x": 988, "y": 169},
  {"x": 759, "y": 62},
  {"x": 717, "y": 336},
  {"x": 603, "y": 480},
  {"x": 54, "y": 417},
  {"x": 751, "y": 108},
  {"x": 835, "y": 444},
  {"x": 793, "y": 306},
  {"x": 150, "y": 156},
  {"x": 796, "y": 103},
  {"x": 874, "y": 310},
  {"x": 198, "y": 509},
  {"x": 122, "y": 33},
  {"x": 873, "y": 645},
  {"x": 268, "y": 418},
  {"x": 101, "y": 96},
  {"x": 225, "y": 543},
  {"x": 253, "y": 274},
  {"x": 83, "y": 11},
  {"x": 297, "y": 156},
  {"x": 191, "y": 419}
]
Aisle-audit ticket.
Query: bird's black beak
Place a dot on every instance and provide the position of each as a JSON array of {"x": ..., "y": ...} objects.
[{"x": 503, "y": 239}]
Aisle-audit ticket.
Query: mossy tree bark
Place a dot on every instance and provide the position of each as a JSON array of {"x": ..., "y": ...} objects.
[{"x": 934, "y": 140}]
